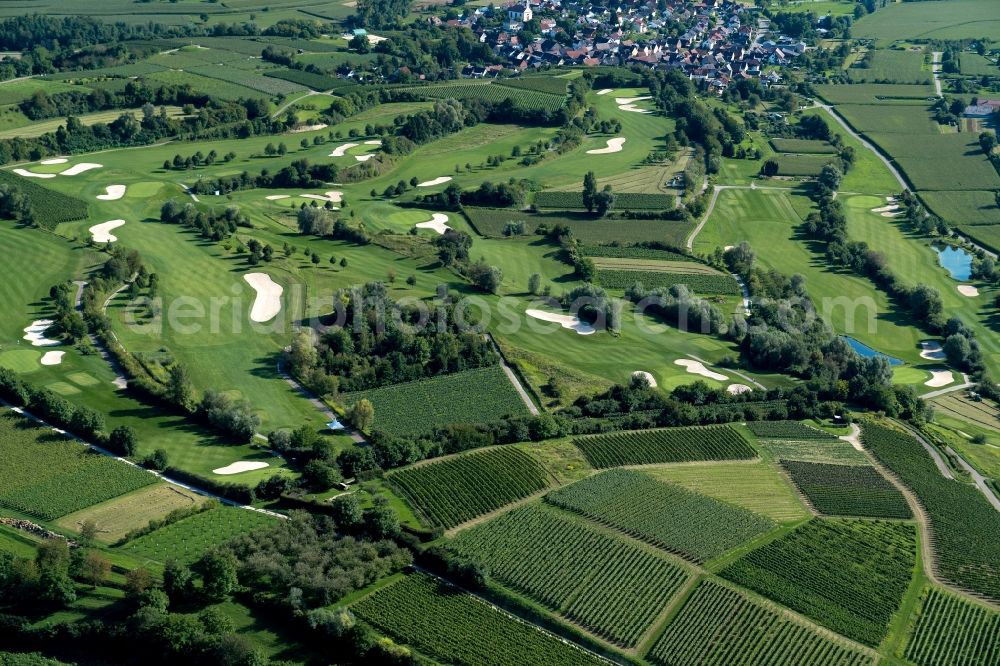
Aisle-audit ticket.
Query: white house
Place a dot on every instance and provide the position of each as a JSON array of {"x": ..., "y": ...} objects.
[{"x": 520, "y": 13}]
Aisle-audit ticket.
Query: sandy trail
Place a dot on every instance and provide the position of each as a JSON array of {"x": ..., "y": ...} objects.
[
  {"x": 614, "y": 146},
  {"x": 112, "y": 193},
  {"x": 52, "y": 357},
  {"x": 237, "y": 467},
  {"x": 437, "y": 181},
  {"x": 35, "y": 333},
  {"x": 77, "y": 169},
  {"x": 931, "y": 350},
  {"x": 698, "y": 368},
  {"x": 438, "y": 223},
  {"x": 647, "y": 376},
  {"x": 342, "y": 149},
  {"x": 32, "y": 174},
  {"x": 267, "y": 305},
  {"x": 102, "y": 232},
  {"x": 968, "y": 290},
  {"x": 939, "y": 377},
  {"x": 570, "y": 322}
]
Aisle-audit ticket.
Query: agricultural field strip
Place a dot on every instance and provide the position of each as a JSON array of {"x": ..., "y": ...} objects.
[
  {"x": 453, "y": 491},
  {"x": 950, "y": 629},
  {"x": 604, "y": 582},
  {"x": 694, "y": 526},
  {"x": 655, "y": 265},
  {"x": 847, "y": 575},
  {"x": 847, "y": 490},
  {"x": 639, "y": 447}
]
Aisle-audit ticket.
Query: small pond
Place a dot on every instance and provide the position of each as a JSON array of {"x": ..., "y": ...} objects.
[
  {"x": 867, "y": 352},
  {"x": 955, "y": 260}
]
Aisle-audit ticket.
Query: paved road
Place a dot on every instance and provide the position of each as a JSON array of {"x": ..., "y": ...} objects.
[
  {"x": 978, "y": 478},
  {"x": 864, "y": 142},
  {"x": 512, "y": 376},
  {"x": 708, "y": 211},
  {"x": 296, "y": 101}
]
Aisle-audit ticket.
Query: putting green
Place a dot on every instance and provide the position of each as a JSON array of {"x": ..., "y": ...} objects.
[{"x": 21, "y": 360}]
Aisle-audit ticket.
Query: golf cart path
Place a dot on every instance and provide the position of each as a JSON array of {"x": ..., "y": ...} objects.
[
  {"x": 120, "y": 381},
  {"x": 323, "y": 408},
  {"x": 512, "y": 376},
  {"x": 978, "y": 478},
  {"x": 950, "y": 389}
]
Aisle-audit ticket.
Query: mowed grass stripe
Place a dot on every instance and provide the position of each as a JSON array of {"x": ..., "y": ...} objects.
[
  {"x": 453, "y": 491},
  {"x": 644, "y": 447}
]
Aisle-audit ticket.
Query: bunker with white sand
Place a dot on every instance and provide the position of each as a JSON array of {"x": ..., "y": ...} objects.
[
  {"x": 241, "y": 466},
  {"x": 650, "y": 379},
  {"x": 614, "y": 146},
  {"x": 52, "y": 357},
  {"x": 101, "y": 233},
  {"x": 440, "y": 180},
  {"x": 35, "y": 333},
  {"x": 32, "y": 174},
  {"x": 112, "y": 193},
  {"x": 570, "y": 322},
  {"x": 698, "y": 368},
  {"x": 267, "y": 305},
  {"x": 438, "y": 223},
  {"x": 342, "y": 149},
  {"x": 77, "y": 169}
]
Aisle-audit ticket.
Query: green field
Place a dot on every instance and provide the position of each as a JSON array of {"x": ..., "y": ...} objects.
[
  {"x": 609, "y": 585},
  {"x": 956, "y": 19},
  {"x": 452, "y": 491},
  {"x": 72, "y": 477},
  {"x": 471, "y": 396},
  {"x": 117, "y": 517},
  {"x": 455, "y": 627},
  {"x": 884, "y": 66},
  {"x": 694, "y": 526},
  {"x": 803, "y": 165},
  {"x": 644, "y": 447},
  {"x": 719, "y": 625},
  {"x": 849, "y": 576}
]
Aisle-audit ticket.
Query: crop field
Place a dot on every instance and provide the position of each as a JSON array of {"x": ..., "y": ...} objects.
[
  {"x": 307, "y": 79},
  {"x": 959, "y": 163},
  {"x": 802, "y": 146},
  {"x": 632, "y": 252},
  {"x": 119, "y": 71},
  {"x": 803, "y": 165},
  {"x": 956, "y": 19},
  {"x": 875, "y": 93},
  {"x": 623, "y": 201},
  {"x": 787, "y": 430},
  {"x": 492, "y": 221},
  {"x": 547, "y": 84},
  {"x": 265, "y": 84},
  {"x": 973, "y": 64},
  {"x": 759, "y": 487},
  {"x": 955, "y": 631},
  {"x": 892, "y": 66},
  {"x": 982, "y": 413},
  {"x": 621, "y": 273},
  {"x": 718, "y": 626},
  {"x": 117, "y": 517},
  {"x": 455, "y": 627},
  {"x": 471, "y": 396},
  {"x": 48, "y": 206},
  {"x": 607, "y": 584},
  {"x": 694, "y": 526},
  {"x": 966, "y": 209},
  {"x": 966, "y": 527},
  {"x": 12, "y": 92},
  {"x": 646, "y": 447},
  {"x": 847, "y": 490},
  {"x": 47, "y": 475},
  {"x": 523, "y": 98},
  {"x": 452, "y": 491},
  {"x": 188, "y": 538},
  {"x": 902, "y": 119},
  {"x": 215, "y": 87},
  {"x": 848, "y": 576},
  {"x": 987, "y": 235}
]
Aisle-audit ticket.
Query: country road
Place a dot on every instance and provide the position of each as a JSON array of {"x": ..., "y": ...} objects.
[
  {"x": 864, "y": 142},
  {"x": 936, "y": 71},
  {"x": 978, "y": 478}
]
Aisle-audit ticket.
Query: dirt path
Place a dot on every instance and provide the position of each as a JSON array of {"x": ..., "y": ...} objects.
[
  {"x": 512, "y": 376},
  {"x": 936, "y": 71}
]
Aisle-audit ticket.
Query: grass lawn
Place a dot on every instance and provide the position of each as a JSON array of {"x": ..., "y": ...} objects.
[
  {"x": 758, "y": 486},
  {"x": 957, "y": 19}
]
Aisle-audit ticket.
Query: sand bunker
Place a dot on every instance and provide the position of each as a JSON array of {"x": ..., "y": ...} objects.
[
  {"x": 645, "y": 375},
  {"x": 113, "y": 193},
  {"x": 437, "y": 181},
  {"x": 931, "y": 350},
  {"x": 614, "y": 146},
  {"x": 268, "y": 302},
  {"x": 80, "y": 168},
  {"x": 276, "y": 197},
  {"x": 309, "y": 128},
  {"x": 374, "y": 142},
  {"x": 52, "y": 357},
  {"x": 564, "y": 320},
  {"x": 736, "y": 389},
  {"x": 237, "y": 467},
  {"x": 939, "y": 377},
  {"x": 698, "y": 368},
  {"x": 102, "y": 232},
  {"x": 342, "y": 149},
  {"x": 364, "y": 158},
  {"x": 632, "y": 108},
  {"x": 885, "y": 209},
  {"x": 628, "y": 104},
  {"x": 32, "y": 174},
  {"x": 968, "y": 290},
  {"x": 437, "y": 223},
  {"x": 890, "y": 199},
  {"x": 604, "y": 91},
  {"x": 630, "y": 100},
  {"x": 55, "y": 160},
  {"x": 334, "y": 196},
  {"x": 35, "y": 333},
  {"x": 896, "y": 214}
]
